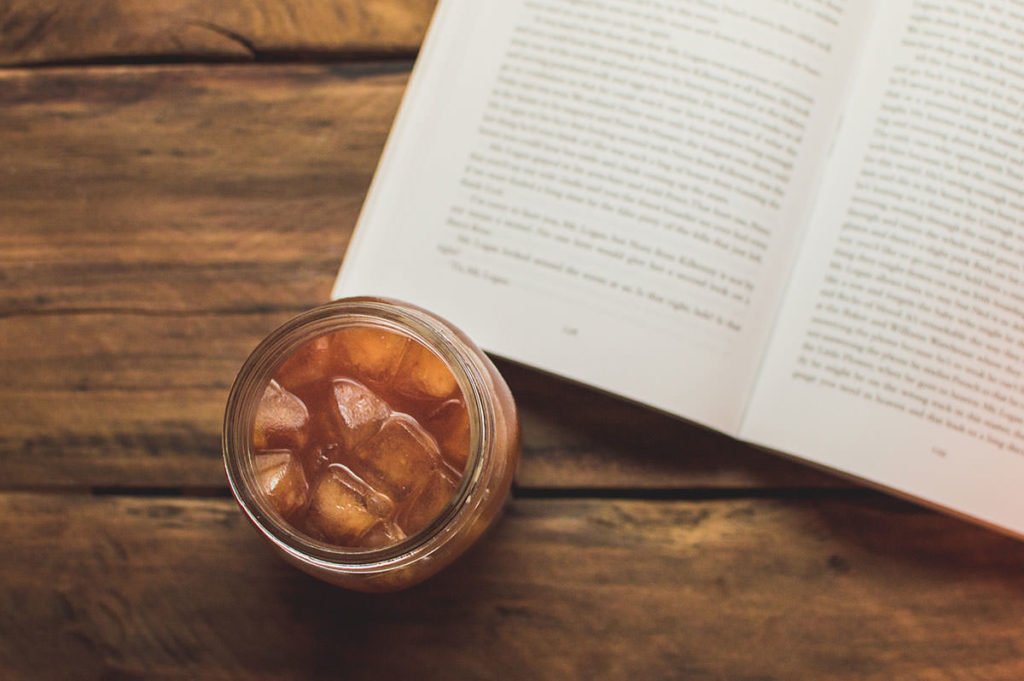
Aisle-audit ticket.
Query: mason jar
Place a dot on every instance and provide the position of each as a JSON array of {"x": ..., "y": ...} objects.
[{"x": 478, "y": 498}]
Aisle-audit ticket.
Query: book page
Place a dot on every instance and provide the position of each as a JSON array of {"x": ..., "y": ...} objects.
[
  {"x": 610, "y": 191},
  {"x": 899, "y": 354}
]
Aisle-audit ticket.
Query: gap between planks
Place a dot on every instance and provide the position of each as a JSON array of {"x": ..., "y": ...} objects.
[
  {"x": 405, "y": 58},
  {"x": 372, "y": 65},
  {"x": 552, "y": 493}
]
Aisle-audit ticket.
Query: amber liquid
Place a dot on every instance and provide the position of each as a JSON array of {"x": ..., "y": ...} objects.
[{"x": 361, "y": 437}]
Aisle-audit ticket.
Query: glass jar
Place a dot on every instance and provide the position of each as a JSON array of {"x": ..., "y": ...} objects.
[{"x": 481, "y": 492}]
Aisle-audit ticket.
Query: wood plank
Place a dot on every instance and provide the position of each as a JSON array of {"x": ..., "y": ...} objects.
[
  {"x": 137, "y": 400},
  {"x": 99, "y": 588},
  {"x": 61, "y": 31},
  {"x": 156, "y": 223},
  {"x": 165, "y": 190}
]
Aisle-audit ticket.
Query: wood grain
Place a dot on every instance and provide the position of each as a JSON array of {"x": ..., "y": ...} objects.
[
  {"x": 184, "y": 190},
  {"x": 156, "y": 222},
  {"x": 62, "y": 31},
  {"x": 100, "y": 588}
]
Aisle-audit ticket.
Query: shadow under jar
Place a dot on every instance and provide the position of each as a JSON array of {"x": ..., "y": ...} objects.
[{"x": 371, "y": 442}]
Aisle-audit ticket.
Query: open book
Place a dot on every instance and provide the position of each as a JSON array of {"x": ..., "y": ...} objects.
[{"x": 799, "y": 222}]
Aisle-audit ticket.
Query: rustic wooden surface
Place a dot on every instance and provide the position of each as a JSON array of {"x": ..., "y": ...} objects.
[
  {"x": 156, "y": 220},
  {"x": 739, "y": 589}
]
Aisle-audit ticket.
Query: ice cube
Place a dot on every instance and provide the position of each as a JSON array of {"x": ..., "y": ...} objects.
[
  {"x": 281, "y": 420},
  {"x": 311, "y": 361},
  {"x": 450, "y": 427},
  {"x": 344, "y": 508},
  {"x": 280, "y": 477},
  {"x": 399, "y": 459},
  {"x": 384, "y": 533},
  {"x": 356, "y": 412},
  {"x": 423, "y": 374},
  {"x": 418, "y": 512},
  {"x": 374, "y": 354}
]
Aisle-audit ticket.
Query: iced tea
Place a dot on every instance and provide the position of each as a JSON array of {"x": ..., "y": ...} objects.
[
  {"x": 361, "y": 437},
  {"x": 370, "y": 442}
]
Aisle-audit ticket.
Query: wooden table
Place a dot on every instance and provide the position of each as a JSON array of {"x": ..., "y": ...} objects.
[{"x": 178, "y": 178}]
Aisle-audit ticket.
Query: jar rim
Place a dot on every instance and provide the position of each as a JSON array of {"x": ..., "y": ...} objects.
[{"x": 256, "y": 372}]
